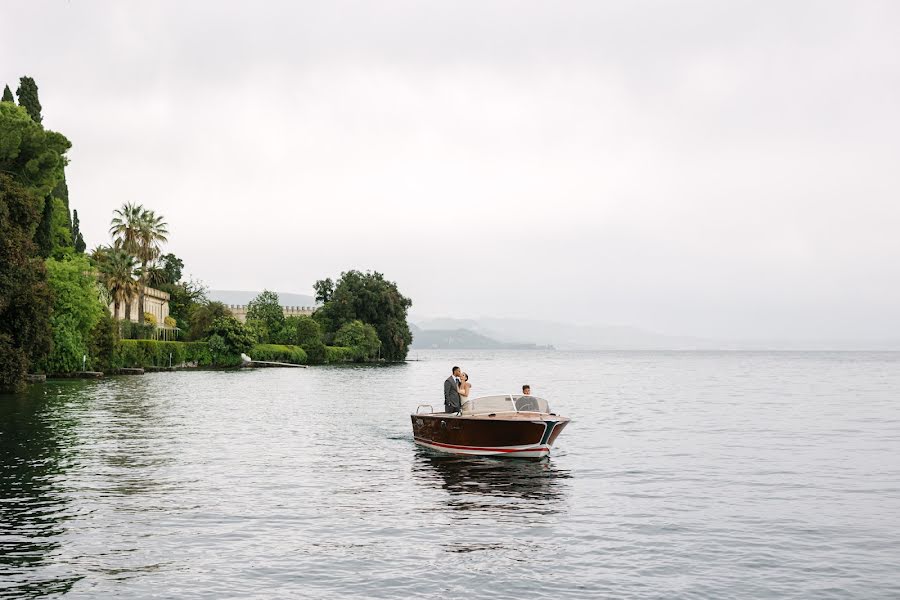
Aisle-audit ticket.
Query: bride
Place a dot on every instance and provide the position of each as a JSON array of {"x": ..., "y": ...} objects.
[{"x": 464, "y": 388}]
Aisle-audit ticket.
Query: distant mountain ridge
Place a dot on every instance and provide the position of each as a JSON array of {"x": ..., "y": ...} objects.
[
  {"x": 242, "y": 297},
  {"x": 463, "y": 339},
  {"x": 567, "y": 336}
]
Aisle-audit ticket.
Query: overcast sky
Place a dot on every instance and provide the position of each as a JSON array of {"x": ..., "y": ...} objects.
[{"x": 723, "y": 169}]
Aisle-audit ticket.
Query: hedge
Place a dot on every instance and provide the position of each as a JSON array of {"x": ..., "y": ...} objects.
[
  {"x": 294, "y": 355},
  {"x": 335, "y": 354},
  {"x": 156, "y": 353}
]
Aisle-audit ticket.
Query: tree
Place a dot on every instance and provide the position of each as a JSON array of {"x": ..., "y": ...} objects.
[
  {"x": 80, "y": 246},
  {"x": 172, "y": 267},
  {"x": 234, "y": 335},
  {"x": 183, "y": 298},
  {"x": 370, "y": 298},
  {"x": 7, "y": 95},
  {"x": 324, "y": 289},
  {"x": 266, "y": 309},
  {"x": 117, "y": 273},
  {"x": 32, "y": 155},
  {"x": 24, "y": 292},
  {"x": 361, "y": 338},
  {"x": 76, "y": 311},
  {"x": 202, "y": 318},
  {"x": 28, "y": 98},
  {"x": 139, "y": 231},
  {"x": 43, "y": 235},
  {"x": 309, "y": 337}
]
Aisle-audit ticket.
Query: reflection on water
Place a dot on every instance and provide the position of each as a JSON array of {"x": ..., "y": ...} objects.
[
  {"x": 34, "y": 441},
  {"x": 491, "y": 484}
]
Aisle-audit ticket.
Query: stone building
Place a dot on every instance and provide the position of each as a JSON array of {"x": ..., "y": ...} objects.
[{"x": 156, "y": 302}]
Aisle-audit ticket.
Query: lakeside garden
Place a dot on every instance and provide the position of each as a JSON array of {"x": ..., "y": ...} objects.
[{"x": 55, "y": 297}]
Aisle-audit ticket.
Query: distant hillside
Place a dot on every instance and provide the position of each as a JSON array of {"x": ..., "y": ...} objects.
[
  {"x": 242, "y": 297},
  {"x": 458, "y": 339},
  {"x": 567, "y": 336}
]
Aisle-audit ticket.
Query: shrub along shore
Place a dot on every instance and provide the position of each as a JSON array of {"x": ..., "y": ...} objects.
[{"x": 129, "y": 354}]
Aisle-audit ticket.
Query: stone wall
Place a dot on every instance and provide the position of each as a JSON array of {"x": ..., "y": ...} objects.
[{"x": 240, "y": 311}]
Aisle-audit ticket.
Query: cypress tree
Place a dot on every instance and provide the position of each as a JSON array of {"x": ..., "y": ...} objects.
[
  {"x": 76, "y": 234},
  {"x": 7, "y": 95},
  {"x": 28, "y": 98},
  {"x": 43, "y": 235}
]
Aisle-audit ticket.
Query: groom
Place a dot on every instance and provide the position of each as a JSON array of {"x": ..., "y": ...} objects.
[{"x": 452, "y": 402}]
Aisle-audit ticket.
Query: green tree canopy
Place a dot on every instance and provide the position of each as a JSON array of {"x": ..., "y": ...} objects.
[
  {"x": 32, "y": 155},
  {"x": 76, "y": 311},
  {"x": 324, "y": 289},
  {"x": 24, "y": 292},
  {"x": 172, "y": 267},
  {"x": 266, "y": 309},
  {"x": 234, "y": 335},
  {"x": 80, "y": 246},
  {"x": 7, "y": 95},
  {"x": 28, "y": 98},
  {"x": 184, "y": 298},
  {"x": 361, "y": 338},
  {"x": 372, "y": 299},
  {"x": 202, "y": 317}
]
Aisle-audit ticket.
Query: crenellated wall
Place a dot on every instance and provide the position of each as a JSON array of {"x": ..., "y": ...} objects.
[{"x": 240, "y": 311}]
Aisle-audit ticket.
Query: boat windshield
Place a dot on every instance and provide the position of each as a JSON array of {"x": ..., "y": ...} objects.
[{"x": 505, "y": 404}]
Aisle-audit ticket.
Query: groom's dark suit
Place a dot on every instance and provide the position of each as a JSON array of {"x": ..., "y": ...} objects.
[{"x": 452, "y": 402}]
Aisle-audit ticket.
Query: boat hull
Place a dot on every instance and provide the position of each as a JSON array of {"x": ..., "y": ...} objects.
[{"x": 517, "y": 436}]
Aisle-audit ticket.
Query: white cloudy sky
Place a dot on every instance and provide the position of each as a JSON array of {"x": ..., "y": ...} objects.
[{"x": 726, "y": 169}]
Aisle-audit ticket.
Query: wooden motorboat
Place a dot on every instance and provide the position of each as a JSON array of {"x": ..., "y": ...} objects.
[{"x": 509, "y": 425}]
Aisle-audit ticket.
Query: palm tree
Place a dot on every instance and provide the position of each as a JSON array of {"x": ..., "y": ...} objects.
[
  {"x": 152, "y": 233},
  {"x": 117, "y": 273},
  {"x": 139, "y": 232}
]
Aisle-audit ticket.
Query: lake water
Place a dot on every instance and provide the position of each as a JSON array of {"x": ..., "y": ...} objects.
[{"x": 682, "y": 475}]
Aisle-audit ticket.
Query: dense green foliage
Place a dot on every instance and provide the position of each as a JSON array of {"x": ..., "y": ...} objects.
[
  {"x": 228, "y": 336},
  {"x": 278, "y": 353},
  {"x": 338, "y": 354},
  {"x": 370, "y": 298},
  {"x": 31, "y": 163},
  {"x": 43, "y": 235},
  {"x": 202, "y": 317},
  {"x": 154, "y": 353},
  {"x": 184, "y": 298},
  {"x": 24, "y": 293},
  {"x": 361, "y": 338},
  {"x": 32, "y": 155},
  {"x": 171, "y": 267},
  {"x": 308, "y": 335},
  {"x": 104, "y": 343},
  {"x": 7, "y": 95},
  {"x": 78, "y": 239},
  {"x": 28, "y": 98},
  {"x": 265, "y": 317},
  {"x": 76, "y": 311}
]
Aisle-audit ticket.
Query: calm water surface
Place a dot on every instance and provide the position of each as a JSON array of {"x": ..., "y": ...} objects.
[{"x": 683, "y": 475}]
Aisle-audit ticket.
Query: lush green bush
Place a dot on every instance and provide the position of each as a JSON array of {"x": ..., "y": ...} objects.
[
  {"x": 202, "y": 317},
  {"x": 154, "y": 353},
  {"x": 235, "y": 339},
  {"x": 267, "y": 315},
  {"x": 278, "y": 353},
  {"x": 76, "y": 311},
  {"x": 336, "y": 354},
  {"x": 104, "y": 354},
  {"x": 361, "y": 338}
]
